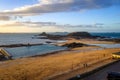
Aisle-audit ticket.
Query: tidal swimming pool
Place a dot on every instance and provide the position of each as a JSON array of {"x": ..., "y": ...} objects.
[{"x": 19, "y": 52}]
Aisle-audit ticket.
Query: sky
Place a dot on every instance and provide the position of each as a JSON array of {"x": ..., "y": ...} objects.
[{"x": 26, "y": 16}]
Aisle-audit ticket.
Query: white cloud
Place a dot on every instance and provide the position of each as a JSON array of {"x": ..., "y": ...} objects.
[
  {"x": 47, "y": 24},
  {"x": 11, "y": 24},
  {"x": 54, "y": 1}
]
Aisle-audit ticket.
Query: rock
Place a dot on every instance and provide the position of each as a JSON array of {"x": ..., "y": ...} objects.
[
  {"x": 52, "y": 37},
  {"x": 48, "y": 42},
  {"x": 74, "y": 45},
  {"x": 111, "y": 40},
  {"x": 43, "y": 34},
  {"x": 80, "y": 35},
  {"x": 76, "y": 35}
]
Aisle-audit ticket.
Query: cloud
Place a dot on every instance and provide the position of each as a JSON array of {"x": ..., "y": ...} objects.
[
  {"x": 11, "y": 24},
  {"x": 8, "y": 18},
  {"x": 47, "y": 24},
  {"x": 40, "y": 23},
  {"x": 4, "y": 18},
  {"x": 52, "y": 6}
]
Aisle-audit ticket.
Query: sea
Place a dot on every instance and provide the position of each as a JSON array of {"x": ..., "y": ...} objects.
[
  {"x": 110, "y": 35},
  {"x": 20, "y": 38},
  {"x": 25, "y": 38}
]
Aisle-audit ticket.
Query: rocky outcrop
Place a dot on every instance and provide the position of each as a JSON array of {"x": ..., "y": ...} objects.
[
  {"x": 44, "y": 34},
  {"x": 111, "y": 40},
  {"x": 52, "y": 37},
  {"x": 80, "y": 35},
  {"x": 74, "y": 45},
  {"x": 76, "y": 35}
]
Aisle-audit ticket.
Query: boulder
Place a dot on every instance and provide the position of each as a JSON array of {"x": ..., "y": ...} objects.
[{"x": 74, "y": 45}]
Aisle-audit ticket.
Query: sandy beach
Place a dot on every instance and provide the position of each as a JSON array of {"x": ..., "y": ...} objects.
[
  {"x": 59, "y": 39},
  {"x": 85, "y": 41},
  {"x": 47, "y": 67}
]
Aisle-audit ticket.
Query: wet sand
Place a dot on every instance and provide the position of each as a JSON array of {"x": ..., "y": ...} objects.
[{"x": 85, "y": 41}]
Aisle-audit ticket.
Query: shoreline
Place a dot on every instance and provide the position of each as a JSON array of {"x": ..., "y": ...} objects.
[
  {"x": 86, "y": 41},
  {"x": 68, "y": 49},
  {"x": 58, "y": 52},
  {"x": 42, "y": 67},
  {"x": 56, "y": 44},
  {"x": 46, "y": 66},
  {"x": 80, "y": 49}
]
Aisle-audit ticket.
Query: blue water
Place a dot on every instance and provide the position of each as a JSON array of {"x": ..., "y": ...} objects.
[
  {"x": 111, "y": 35},
  {"x": 107, "y": 45},
  {"x": 24, "y": 38},
  {"x": 19, "y": 52},
  {"x": 20, "y": 38}
]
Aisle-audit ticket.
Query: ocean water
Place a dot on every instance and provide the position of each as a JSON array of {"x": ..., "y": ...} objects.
[
  {"x": 111, "y": 35},
  {"x": 6, "y": 39},
  {"x": 20, "y": 38}
]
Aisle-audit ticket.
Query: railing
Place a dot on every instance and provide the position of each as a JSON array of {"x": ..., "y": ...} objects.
[{"x": 80, "y": 66}]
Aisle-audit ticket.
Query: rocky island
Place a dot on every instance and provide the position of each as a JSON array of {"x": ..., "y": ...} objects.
[{"x": 76, "y": 35}]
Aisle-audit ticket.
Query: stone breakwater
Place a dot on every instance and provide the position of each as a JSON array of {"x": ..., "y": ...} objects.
[{"x": 20, "y": 45}]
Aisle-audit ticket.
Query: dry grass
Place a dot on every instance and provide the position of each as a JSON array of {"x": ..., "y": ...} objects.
[{"x": 38, "y": 68}]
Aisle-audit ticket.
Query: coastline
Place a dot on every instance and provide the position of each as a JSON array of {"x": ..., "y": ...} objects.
[
  {"x": 68, "y": 41},
  {"x": 49, "y": 65},
  {"x": 46, "y": 66},
  {"x": 85, "y": 41},
  {"x": 60, "y": 40}
]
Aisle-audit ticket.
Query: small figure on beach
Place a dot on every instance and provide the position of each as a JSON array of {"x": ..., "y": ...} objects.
[{"x": 85, "y": 65}]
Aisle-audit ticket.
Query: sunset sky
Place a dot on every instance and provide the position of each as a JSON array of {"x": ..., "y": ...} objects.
[{"x": 59, "y": 16}]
